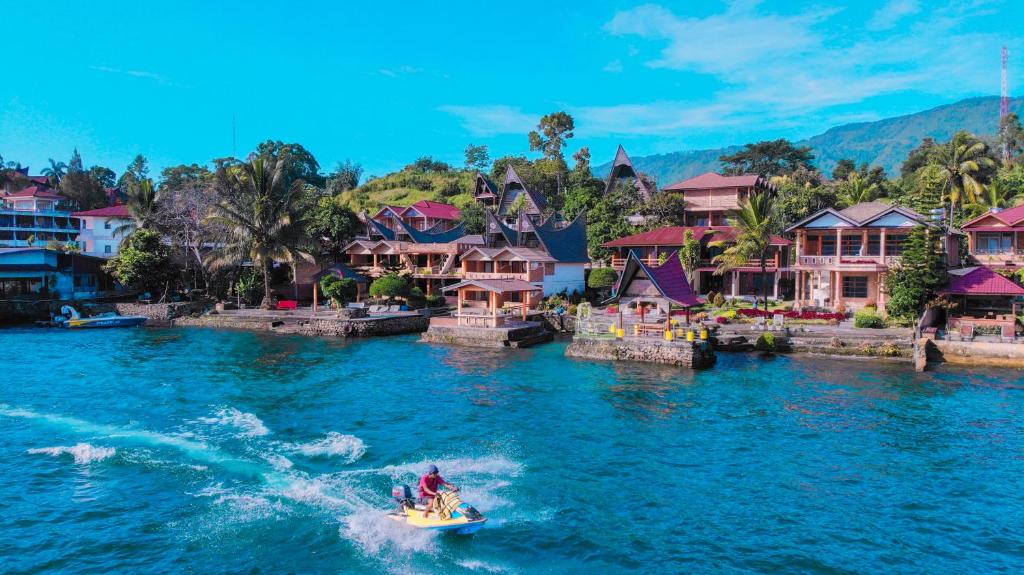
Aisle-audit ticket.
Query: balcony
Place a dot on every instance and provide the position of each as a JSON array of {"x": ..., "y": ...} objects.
[
  {"x": 868, "y": 263},
  {"x": 998, "y": 257}
]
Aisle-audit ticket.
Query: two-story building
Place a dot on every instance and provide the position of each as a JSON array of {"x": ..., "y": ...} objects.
[
  {"x": 653, "y": 247},
  {"x": 996, "y": 239},
  {"x": 98, "y": 235},
  {"x": 42, "y": 273},
  {"x": 423, "y": 215},
  {"x": 34, "y": 216},
  {"x": 842, "y": 256},
  {"x": 710, "y": 197}
]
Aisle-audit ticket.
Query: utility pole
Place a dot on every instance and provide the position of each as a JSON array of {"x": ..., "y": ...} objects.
[
  {"x": 1004, "y": 105},
  {"x": 234, "y": 133}
]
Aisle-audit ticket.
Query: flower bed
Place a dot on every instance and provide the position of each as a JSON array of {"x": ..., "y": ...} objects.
[{"x": 807, "y": 315}]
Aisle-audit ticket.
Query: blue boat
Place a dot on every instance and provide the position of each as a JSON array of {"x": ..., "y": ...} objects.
[{"x": 72, "y": 320}]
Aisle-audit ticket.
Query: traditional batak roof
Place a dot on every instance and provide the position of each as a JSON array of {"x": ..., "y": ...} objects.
[
  {"x": 35, "y": 192},
  {"x": 673, "y": 236},
  {"x": 669, "y": 279},
  {"x": 982, "y": 281},
  {"x": 862, "y": 214},
  {"x": 381, "y": 229},
  {"x": 568, "y": 244},
  {"x": 341, "y": 271},
  {"x": 514, "y": 186},
  {"x": 1011, "y": 217},
  {"x": 514, "y": 253},
  {"x": 433, "y": 235},
  {"x": 496, "y": 226},
  {"x": 712, "y": 181},
  {"x": 484, "y": 187},
  {"x": 622, "y": 167},
  {"x": 496, "y": 285},
  {"x": 118, "y": 211}
]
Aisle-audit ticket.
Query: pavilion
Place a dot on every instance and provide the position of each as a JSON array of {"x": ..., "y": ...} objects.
[
  {"x": 660, "y": 286},
  {"x": 986, "y": 303},
  {"x": 493, "y": 302}
]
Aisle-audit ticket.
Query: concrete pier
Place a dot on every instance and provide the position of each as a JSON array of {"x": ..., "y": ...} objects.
[
  {"x": 524, "y": 334},
  {"x": 694, "y": 355}
]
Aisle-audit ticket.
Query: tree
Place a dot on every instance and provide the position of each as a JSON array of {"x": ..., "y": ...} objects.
[
  {"x": 184, "y": 176},
  {"x": 1011, "y": 137},
  {"x": 331, "y": 226},
  {"x": 136, "y": 173},
  {"x": 755, "y": 225},
  {"x": 962, "y": 162},
  {"x": 142, "y": 205},
  {"x": 258, "y": 210},
  {"x": 104, "y": 176},
  {"x": 843, "y": 169},
  {"x": 472, "y": 215},
  {"x": 911, "y": 283},
  {"x": 144, "y": 263},
  {"x": 298, "y": 162},
  {"x": 664, "y": 209},
  {"x": 606, "y": 221},
  {"x": 918, "y": 157},
  {"x": 996, "y": 195},
  {"x": 552, "y": 132},
  {"x": 181, "y": 215},
  {"x": 602, "y": 278},
  {"x": 345, "y": 177},
  {"x": 477, "y": 157},
  {"x": 84, "y": 191},
  {"x": 75, "y": 163},
  {"x": 689, "y": 255},
  {"x": 390, "y": 286},
  {"x": 55, "y": 172},
  {"x": 771, "y": 158},
  {"x": 856, "y": 190},
  {"x": 795, "y": 201},
  {"x": 340, "y": 290}
]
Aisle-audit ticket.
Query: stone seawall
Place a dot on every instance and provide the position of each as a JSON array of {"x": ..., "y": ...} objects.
[
  {"x": 695, "y": 355},
  {"x": 487, "y": 337},
  {"x": 160, "y": 314},
  {"x": 974, "y": 353},
  {"x": 364, "y": 327}
]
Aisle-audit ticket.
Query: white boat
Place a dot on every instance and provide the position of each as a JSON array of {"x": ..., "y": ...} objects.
[{"x": 72, "y": 320}]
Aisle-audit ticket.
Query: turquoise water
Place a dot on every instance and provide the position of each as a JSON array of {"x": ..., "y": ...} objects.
[{"x": 204, "y": 451}]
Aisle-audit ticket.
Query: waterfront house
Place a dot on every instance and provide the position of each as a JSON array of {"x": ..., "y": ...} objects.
[
  {"x": 710, "y": 197},
  {"x": 656, "y": 246},
  {"x": 40, "y": 273},
  {"x": 842, "y": 256},
  {"x": 96, "y": 234},
  {"x": 985, "y": 304},
  {"x": 35, "y": 215},
  {"x": 658, "y": 286},
  {"x": 493, "y": 302},
  {"x": 423, "y": 215},
  {"x": 996, "y": 239}
]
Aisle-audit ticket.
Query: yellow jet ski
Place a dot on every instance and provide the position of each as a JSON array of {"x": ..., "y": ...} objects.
[{"x": 450, "y": 512}]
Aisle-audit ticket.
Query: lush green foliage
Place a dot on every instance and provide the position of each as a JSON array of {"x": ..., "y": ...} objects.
[
  {"x": 472, "y": 215},
  {"x": 771, "y": 158},
  {"x": 920, "y": 272},
  {"x": 332, "y": 225},
  {"x": 765, "y": 342},
  {"x": 389, "y": 286},
  {"x": 689, "y": 255},
  {"x": 756, "y": 223},
  {"x": 339, "y": 290},
  {"x": 602, "y": 278},
  {"x": 868, "y": 318},
  {"x": 144, "y": 263}
]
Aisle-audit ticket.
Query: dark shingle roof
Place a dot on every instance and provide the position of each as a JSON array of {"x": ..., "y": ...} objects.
[
  {"x": 669, "y": 279},
  {"x": 433, "y": 237},
  {"x": 568, "y": 244}
]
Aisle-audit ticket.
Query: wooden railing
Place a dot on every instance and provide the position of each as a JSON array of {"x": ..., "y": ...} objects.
[{"x": 847, "y": 260}]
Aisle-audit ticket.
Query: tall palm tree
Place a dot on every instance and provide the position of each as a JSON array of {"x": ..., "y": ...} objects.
[
  {"x": 258, "y": 210},
  {"x": 55, "y": 172},
  {"x": 995, "y": 196},
  {"x": 755, "y": 225},
  {"x": 142, "y": 204},
  {"x": 962, "y": 161},
  {"x": 856, "y": 190}
]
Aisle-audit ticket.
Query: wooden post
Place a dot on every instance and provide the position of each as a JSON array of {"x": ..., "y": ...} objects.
[
  {"x": 881, "y": 245},
  {"x": 839, "y": 245},
  {"x": 523, "y": 304},
  {"x": 316, "y": 288}
]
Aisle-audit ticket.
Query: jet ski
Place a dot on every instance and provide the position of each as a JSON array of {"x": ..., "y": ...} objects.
[{"x": 450, "y": 512}]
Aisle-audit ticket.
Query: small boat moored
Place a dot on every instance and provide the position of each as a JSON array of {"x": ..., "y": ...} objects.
[
  {"x": 71, "y": 319},
  {"x": 450, "y": 512}
]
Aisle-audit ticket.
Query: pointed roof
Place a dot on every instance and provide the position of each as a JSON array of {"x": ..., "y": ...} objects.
[
  {"x": 1010, "y": 216},
  {"x": 622, "y": 167},
  {"x": 35, "y": 192},
  {"x": 511, "y": 189},
  {"x": 568, "y": 244},
  {"x": 484, "y": 187},
  {"x": 496, "y": 226},
  {"x": 341, "y": 271},
  {"x": 436, "y": 210},
  {"x": 381, "y": 229},
  {"x": 982, "y": 281},
  {"x": 669, "y": 279},
  {"x": 433, "y": 235},
  {"x": 861, "y": 214}
]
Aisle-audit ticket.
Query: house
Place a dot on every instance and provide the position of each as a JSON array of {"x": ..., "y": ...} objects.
[
  {"x": 96, "y": 236},
  {"x": 842, "y": 256},
  {"x": 35, "y": 215},
  {"x": 495, "y": 302},
  {"x": 485, "y": 191},
  {"x": 710, "y": 197},
  {"x": 423, "y": 215},
  {"x": 657, "y": 285},
  {"x": 986, "y": 304},
  {"x": 996, "y": 239},
  {"x": 41, "y": 273},
  {"x": 623, "y": 172},
  {"x": 657, "y": 246},
  {"x": 516, "y": 198}
]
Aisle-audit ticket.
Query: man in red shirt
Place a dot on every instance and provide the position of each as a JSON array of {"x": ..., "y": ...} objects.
[{"x": 429, "y": 484}]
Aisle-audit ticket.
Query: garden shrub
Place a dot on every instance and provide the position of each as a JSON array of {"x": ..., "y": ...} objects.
[
  {"x": 601, "y": 278},
  {"x": 436, "y": 301},
  {"x": 339, "y": 290},
  {"x": 867, "y": 318},
  {"x": 766, "y": 342},
  {"x": 719, "y": 300}
]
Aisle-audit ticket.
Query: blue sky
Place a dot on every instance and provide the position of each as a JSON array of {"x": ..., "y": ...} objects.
[{"x": 383, "y": 83}]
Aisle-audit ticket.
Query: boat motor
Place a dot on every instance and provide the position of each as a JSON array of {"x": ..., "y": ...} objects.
[{"x": 403, "y": 495}]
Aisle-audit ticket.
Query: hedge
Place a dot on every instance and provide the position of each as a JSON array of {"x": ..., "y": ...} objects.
[{"x": 754, "y": 312}]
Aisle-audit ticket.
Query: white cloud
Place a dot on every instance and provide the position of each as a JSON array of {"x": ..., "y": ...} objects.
[
  {"x": 133, "y": 73},
  {"x": 403, "y": 70},
  {"x": 490, "y": 120},
  {"x": 613, "y": 67},
  {"x": 892, "y": 12}
]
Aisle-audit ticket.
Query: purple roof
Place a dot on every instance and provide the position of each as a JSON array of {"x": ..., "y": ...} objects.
[
  {"x": 669, "y": 278},
  {"x": 982, "y": 281}
]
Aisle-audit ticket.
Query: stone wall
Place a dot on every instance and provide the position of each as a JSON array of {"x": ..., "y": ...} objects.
[
  {"x": 370, "y": 327},
  {"x": 160, "y": 313},
  {"x": 989, "y": 353},
  {"x": 486, "y": 337},
  {"x": 696, "y": 355}
]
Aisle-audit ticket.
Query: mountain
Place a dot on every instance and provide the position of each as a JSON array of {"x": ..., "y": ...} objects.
[{"x": 883, "y": 143}]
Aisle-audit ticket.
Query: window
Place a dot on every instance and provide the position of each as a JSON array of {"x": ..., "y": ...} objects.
[
  {"x": 994, "y": 243},
  {"x": 894, "y": 244},
  {"x": 855, "y": 287},
  {"x": 851, "y": 245},
  {"x": 106, "y": 224},
  {"x": 874, "y": 245},
  {"x": 106, "y": 249},
  {"x": 549, "y": 269},
  {"x": 828, "y": 245}
]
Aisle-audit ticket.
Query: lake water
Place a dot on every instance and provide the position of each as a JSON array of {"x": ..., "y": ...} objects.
[{"x": 202, "y": 451}]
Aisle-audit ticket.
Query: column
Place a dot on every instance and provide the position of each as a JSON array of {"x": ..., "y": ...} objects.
[
  {"x": 864, "y": 242},
  {"x": 376, "y": 260},
  {"x": 735, "y": 283},
  {"x": 839, "y": 244},
  {"x": 838, "y": 290},
  {"x": 881, "y": 245},
  {"x": 775, "y": 290}
]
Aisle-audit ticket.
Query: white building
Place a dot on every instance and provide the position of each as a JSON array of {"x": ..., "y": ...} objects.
[{"x": 96, "y": 236}]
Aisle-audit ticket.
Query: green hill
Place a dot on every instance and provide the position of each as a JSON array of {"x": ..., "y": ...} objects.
[
  {"x": 883, "y": 143},
  {"x": 410, "y": 185}
]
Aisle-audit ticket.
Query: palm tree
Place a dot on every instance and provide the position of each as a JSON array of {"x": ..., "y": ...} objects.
[
  {"x": 995, "y": 196},
  {"x": 961, "y": 161},
  {"x": 755, "y": 225},
  {"x": 142, "y": 204},
  {"x": 259, "y": 213},
  {"x": 55, "y": 172},
  {"x": 856, "y": 190}
]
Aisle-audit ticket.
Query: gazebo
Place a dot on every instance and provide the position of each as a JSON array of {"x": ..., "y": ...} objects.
[
  {"x": 340, "y": 271},
  {"x": 986, "y": 303},
  {"x": 660, "y": 286},
  {"x": 493, "y": 302}
]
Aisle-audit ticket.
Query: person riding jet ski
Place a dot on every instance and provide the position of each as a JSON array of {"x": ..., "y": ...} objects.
[{"x": 430, "y": 482}]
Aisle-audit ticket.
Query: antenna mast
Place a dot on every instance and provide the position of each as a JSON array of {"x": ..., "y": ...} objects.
[
  {"x": 234, "y": 138},
  {"x": 1004, "y": 104}
]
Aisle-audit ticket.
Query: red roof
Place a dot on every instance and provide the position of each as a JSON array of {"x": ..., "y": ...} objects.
[
  {"x": 118, "y": 211},
  {"x": 982, "y": 281},
  {"x": 711, "y": 180},
  {"x": 40, "y": 180},
  {"x": 1010, "y": 217},
  {"x": 437, "y": 210},
  {"x": 673, "y": 236},
  {"x": 34, "y": 192}
]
